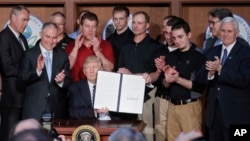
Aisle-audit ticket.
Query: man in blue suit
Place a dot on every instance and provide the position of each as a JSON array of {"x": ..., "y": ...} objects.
[
  {"x": 227, "y": 73},
  {"x": 81, "y": 93}
]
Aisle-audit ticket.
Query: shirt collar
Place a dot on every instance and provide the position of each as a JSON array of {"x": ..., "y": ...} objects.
[
  {"x": 43, "y": 50},
  {"x": 90, "y": 86},
  {"x": 14, "y": 32},
  {"x": 229, "y": 48},
  {"x": 172, "y": 48}
]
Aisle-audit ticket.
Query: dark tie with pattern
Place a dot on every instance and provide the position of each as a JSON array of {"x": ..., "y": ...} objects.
[
  {"x": 21, "y": 42},
  {"x": 224, "y": 57},
  {"x": 93, "y": 95}
]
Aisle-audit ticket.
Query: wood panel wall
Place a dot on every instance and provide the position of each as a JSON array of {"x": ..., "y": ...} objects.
[{"x": 193, "y": 11}]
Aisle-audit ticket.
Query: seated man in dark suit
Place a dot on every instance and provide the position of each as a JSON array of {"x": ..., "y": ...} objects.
[{"x": 81, "y": 93}]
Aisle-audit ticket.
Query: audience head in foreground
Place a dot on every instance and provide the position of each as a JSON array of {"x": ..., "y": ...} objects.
[
  {"x": 31, "y": 135},
  {"x": 126, "y": 134},
  {"x": 26, "y": 124}
]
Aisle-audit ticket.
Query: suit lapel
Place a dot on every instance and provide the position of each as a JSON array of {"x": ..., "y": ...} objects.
[
  {"x": 54, "y": 64},
  {"x": 38, "y": 52},
  {"x": 16, "y": 40},
  {"x": 24, "y": 41},
  {"x": 218, "y": 52},
  {"x": 85, "y": 92},
  {"x": 233, "y": 53}
]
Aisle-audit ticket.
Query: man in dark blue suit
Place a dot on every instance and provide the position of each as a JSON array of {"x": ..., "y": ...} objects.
[
  {"x": 81, "y": 93},
  {"x": 12, "y": 46},
  {"x": 227, "y": 73},
  {"x": 44, "y": 74}
]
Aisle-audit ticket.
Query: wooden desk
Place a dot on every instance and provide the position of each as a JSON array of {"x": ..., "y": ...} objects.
[{"x": 105, "y": 128}]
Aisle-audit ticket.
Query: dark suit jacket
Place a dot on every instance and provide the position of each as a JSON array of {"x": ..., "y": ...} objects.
[
  {"x": 211, "y": 41},
  {"x": 231, "y": 88},
  {"x": 80, "y": 104},
  {"x": 37, "y": 87},
  {"x": 11, "y": 53}
]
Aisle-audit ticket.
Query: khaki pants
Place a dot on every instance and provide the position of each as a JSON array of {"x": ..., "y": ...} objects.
[
  {"x": 147, "y": 117},
  {"x": 161, "y": 108},
  {"x": 183, "y": 118}
]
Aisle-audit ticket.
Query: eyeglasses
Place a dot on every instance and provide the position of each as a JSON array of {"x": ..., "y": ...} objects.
[
  {"x": 60, "y": 24},
  {"x": 213, "y": 22}
]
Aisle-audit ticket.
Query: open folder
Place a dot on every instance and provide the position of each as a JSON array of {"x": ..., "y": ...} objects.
[{"x": 119, "y": 92}]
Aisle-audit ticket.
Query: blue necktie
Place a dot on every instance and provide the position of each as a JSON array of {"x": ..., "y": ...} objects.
[
  {"x": 48, "y": 64},
  {"x": 224, "y": 57}
]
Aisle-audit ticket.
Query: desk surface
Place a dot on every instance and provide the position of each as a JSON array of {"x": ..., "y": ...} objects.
[{"x": 67, "y": 127}]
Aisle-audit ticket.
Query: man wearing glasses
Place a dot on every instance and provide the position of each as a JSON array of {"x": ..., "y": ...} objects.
[
  {"x": 63, "y": 39},
  {"x": 214, "y": 22}
]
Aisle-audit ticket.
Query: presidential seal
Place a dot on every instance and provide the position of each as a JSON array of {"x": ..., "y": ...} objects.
[
  {"x": 85, "y": 133},
  {"x": 32, "y": 30}
]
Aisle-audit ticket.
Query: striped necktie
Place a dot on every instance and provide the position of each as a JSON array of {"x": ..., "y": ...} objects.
[{"x": 93, "y": 95}]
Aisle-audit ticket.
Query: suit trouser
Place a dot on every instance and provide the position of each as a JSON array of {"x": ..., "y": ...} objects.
[
  {"x": 9, "y": 118},
  {"x": 183, "y": 118},
  {"x": 161, "y": 108},
  {"x": 218, "y": 132}
]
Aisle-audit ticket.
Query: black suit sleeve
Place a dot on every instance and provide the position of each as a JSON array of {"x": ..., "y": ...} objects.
[
  {"x": 67, "y": 80},
  {"x": 27, "y": 72},
  {"x": 8, "y": 64}
]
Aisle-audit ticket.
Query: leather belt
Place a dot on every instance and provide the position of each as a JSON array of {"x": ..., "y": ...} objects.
[
  {"x": 183, "y": 102},
  {"x": 164, "y": 97}
]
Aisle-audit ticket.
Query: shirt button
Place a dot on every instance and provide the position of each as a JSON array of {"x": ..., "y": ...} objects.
[{"x": 218, "y": 89}]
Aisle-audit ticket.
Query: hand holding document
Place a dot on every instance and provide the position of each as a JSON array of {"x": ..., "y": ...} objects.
[{"x": 119, "y": 92}]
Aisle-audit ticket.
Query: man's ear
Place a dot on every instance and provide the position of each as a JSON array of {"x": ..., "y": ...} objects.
[
  {"x": 148, "y": 25},
  {"x": 237, "y": 32},
  {"x": 189, "y": 35},
  {"x": 40, "y": 33},
  {"x": 128, "y": 18}
]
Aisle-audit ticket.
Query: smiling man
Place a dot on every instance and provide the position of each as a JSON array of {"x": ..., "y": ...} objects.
[
  {"x": 44, "y": 74},
  {"x": 184, "y": 111},
  {"x": 214, "y": 22},
  {"x": 227, "y": 74}
]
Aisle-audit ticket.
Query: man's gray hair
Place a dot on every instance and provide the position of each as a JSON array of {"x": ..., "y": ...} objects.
[
  {"x": 231, "y": 19},
  {"x": 17, "y": 9},
  {"x": 49, "y": 24}
]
